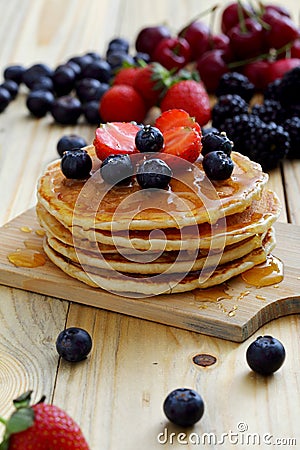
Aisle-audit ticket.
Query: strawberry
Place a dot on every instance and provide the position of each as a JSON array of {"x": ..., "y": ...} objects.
[
  {"x": 184, "y": 142},
  {"x": 191, "y": 96},
  {"x": 126, "y": 75},
  {"x": 115, "y": 138},
  {"x": 41, "y": 427},
  {"x": 149, "y": 83},
  {"x": 176, "y": 118},
  {"x": 122, "y": 103}
]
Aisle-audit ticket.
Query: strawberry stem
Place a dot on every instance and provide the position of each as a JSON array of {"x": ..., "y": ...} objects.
[{"x": 3, "y": 421}]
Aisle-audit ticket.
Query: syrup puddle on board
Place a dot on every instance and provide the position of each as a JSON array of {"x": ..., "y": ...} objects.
[
  {"x": 265, "y": 274},
  {"x": 27, "y": 257},
  {"x": 213, "y": 294}
]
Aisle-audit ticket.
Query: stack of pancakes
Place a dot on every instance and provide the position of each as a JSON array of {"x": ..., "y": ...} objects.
[{"x": 133, "y": 241}]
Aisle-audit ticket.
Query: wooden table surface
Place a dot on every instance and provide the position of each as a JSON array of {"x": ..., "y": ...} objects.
[{"x": 116, "y": 395}]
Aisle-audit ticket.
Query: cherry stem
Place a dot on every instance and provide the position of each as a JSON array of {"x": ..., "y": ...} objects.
[
  {"x": 243, "y": 27},
  {"x": 200, "y": 15},
  {"x": 271, "y": 55}
]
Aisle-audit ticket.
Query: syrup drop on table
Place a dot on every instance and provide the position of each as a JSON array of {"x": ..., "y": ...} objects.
[
  {"x": 27, "y": 258},
  {"x": 265, "y": 274},
  {"x": 213, "y": 294}
]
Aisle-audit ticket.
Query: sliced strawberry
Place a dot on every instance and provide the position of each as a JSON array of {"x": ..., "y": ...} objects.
[
  {"x": 115, "y": 138},
  {"x": 176, "y": 118},
  {"x": 184, "y": 142}
]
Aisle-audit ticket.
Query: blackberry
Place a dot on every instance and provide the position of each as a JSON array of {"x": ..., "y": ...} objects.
[
  {"x": 235, "y": 83},
  {"x": 271, "y": 91},
  {"x": 289, "y": 89},
  {"x": 227, "y": 106},
  {"x": 269, "y": 111},
  {"x": 292, "y": 127},
  {"x": 265, "y": 143},
  {"x": 238, "y": 127}
]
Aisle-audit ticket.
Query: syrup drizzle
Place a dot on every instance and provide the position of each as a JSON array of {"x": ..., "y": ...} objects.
[
  {"x": 27, "y": 257},
  {"x": 265, "y": 274}
]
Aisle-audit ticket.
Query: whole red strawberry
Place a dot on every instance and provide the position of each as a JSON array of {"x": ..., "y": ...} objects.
[
  {"x": 122, "y": 103},
  {"x": 41, "y": 427},
  {"x": 190, "y": 96},
  {"x": 149, "y": 82},
  {"x": 126, "y": 75}
]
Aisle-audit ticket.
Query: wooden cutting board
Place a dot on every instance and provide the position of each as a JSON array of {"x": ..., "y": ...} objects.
[{"x": 239, "y": 312}]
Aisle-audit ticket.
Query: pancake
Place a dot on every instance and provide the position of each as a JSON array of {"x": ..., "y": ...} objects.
[
  {"x": 140, "y": 285},
  {"x": 190, "y": 199},
  {"x": 151, "y": 264},
  {"x": 255, "y": 219}
]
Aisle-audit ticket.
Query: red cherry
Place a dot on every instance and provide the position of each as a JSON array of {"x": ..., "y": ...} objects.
[
  {"x": 230, "y": 16},
  {"x": 257, "y": 72},
  {"x": 248, "y": 42},
  {"x": 149, "y": 37},
  {"x": 222, "y": 42},
  {"x": 282, "y": 29},
  {"x": 172, "y": 53},
  {"x": 278, "y": 8},
  {"x": 198, "y": 35},
  {"x": 278, "y": 68},
  {"x": 295, "y": 49},
  {"x": 211, "y": 66}
]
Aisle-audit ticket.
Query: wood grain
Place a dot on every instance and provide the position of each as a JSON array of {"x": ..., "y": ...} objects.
[{"x": 234, "y": 318}]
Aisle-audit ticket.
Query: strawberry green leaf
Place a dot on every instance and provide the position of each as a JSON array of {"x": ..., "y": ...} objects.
[
  {"x": 4, "y": 444},
  {"x": 23, "y": 400},
  {"x": 20, "y": 420}
]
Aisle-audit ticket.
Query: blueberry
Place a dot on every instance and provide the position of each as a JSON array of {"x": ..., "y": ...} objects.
[
  {"x": 14, "y": 73},
  {"x": 70, "y": 142},
  {"x": 214, "y": 141},
  {"x": 76, "y": 164},
  {"x": 140, "y": 56},
  {"x": 118, "y": 44},
  {"x": 265, "y": 355},
  {"x": 82, "y": 60},
  {"x": 5, "y": 98},
  {"x": 63, "y": 79},
  {"x": 39, "y": 102},
  {"x": 12, "y": 87},
  {"x": 91, "y": 112},
  {"x": 73, "y": 344},
  {"x": 75, "y": 67},
  {"x": 33, "y": 73},
  {"x": 149, "y": 139},
  {"x": 66, "y": 110},
  {"x": 94, "y": 55},
  {"x": 117, "y": 169},
  {"x": 154, "y": 173},
  {"x": 99, "y": 70},
  {"x": 217, "y": 165},
  {"x": 207, "y": 130},
  {"x": 117, "y": 58},
  {"x": 88, "y": 89},
  {"x": 43, "y": 84},
  {"x": 184, "y": 407}
]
